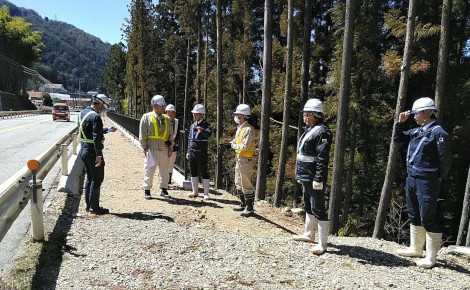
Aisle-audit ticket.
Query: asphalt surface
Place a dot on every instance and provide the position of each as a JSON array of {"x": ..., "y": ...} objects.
[
  {"x": 22, "y": 139},
  {"x": 25, "y": 138}
]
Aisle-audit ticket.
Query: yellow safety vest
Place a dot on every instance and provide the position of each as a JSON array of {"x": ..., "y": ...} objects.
[
  {"x": 155, "y": 127},
  {"x": 83, "y": 138},
  {"x": 251, "y": 151}
]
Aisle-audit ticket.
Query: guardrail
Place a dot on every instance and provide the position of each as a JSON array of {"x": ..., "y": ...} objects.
[
  {"x": 17, "y": 190},
  {"x": 7, "y": 114},
  {"x": 131, "y": 125}
]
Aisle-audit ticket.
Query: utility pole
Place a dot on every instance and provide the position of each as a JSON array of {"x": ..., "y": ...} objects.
[{"x": 79, "y": 90}]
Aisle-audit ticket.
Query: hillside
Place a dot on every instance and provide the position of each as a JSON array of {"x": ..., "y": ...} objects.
[{"x": 70, "y": 53}]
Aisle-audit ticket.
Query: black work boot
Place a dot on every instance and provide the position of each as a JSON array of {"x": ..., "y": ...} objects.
[
  {"x": 169, "y": 181},
  {"x": 165, "y": 193},
  {"x": 249, "y": 208},
  {"x": 95, "y": 207},
  {"x": 147, "y": 194},
  {"x": 87, "y": 190},
  {"x": 242, "y": 205}
]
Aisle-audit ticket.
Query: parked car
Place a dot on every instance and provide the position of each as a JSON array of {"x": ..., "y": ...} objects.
[{"x": 61, "y": 111}]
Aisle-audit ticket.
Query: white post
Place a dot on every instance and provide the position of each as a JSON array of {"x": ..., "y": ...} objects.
[
  {"x": 37, "y": 220},
  {"x": 65, "y": 167},
  {"x": 75, "y": 143}
]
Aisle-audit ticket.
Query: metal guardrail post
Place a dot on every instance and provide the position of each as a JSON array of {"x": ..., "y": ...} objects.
[
  {"x": 65, "y": 167},
  {"x": 37, "y": 220},
  {"x": 75, "y": 143}
]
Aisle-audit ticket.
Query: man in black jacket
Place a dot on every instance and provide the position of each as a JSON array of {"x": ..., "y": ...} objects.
[
  {"x": 91, "y": 133},
  {"x": 198, "y": 140},
  {"x": 313, "y": 151},
  {"x": 428, "y": 161}
]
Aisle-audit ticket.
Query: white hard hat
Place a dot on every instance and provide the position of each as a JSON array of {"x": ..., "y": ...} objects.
[
  {"x": 170, "y": 107},
  {"x": 102, "y": 99},
  {"x": 199, "y": 109},
  {"x": 422, "y": 104},
  {"x": 313, "y": 105},
  {"x": 243, "y": 109},
  {"x": 158, "y": 100}
]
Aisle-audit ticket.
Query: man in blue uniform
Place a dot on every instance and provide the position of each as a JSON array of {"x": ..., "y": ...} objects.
[
  {"x": 313, "y": 151},
  {"x": 199, "y": 134},
  {"x": 428, "y": 162},
  {"x": 91, "y": 133}
]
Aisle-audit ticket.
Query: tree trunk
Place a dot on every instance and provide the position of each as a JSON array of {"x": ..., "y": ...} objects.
[
  {"x": 205, "y": 62},
  {"x": 464, "y": 220},
  {"x": 305, "y": 75},
  {"x": 443, "y": 58},
  {"x": 342, "y": 122},
  {"x": 220, "y": 105},
  {"x": 186, "y": 117},
  {"x": 198, "y": 62},
  {"x": 386, "y": 194},
  {"x": 287, "y": 103},
  {"x": 349, "y": 175},
  {"x": 265, "y": 101}
]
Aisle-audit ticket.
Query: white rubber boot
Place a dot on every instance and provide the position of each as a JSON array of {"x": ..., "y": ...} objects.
[
  {"x": 417, "y": 239},
  {"x": 433, "y": 244},
  {"x": 323, "y": 227},
  {"x": 206, "y": 184},
  {"x": 311, "y": 224},
  {"x": 194, "y": 182}
]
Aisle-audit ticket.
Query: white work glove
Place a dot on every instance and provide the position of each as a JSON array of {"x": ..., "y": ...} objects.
[{"x": 317, "y": 185}]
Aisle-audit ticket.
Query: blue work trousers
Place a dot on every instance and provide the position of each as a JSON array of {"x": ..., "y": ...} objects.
[
  {"x": 314, "y": 201},
  {"x": 421, "y": 201},
  {"x": 95, "y": 177},
  {"x": 198, "y": 163}
]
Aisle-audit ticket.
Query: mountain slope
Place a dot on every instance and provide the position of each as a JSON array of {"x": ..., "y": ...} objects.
[{"x": 70, "y": 53}]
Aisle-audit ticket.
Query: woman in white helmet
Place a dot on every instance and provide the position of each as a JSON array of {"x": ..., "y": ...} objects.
[
  {"x": 245, "y": 149},
  {"x": 198, "y": 139},
  {"x": 313, "y": 152},
  {"x": 174, "y": 124},
  {"x": 428, "y": 161}
]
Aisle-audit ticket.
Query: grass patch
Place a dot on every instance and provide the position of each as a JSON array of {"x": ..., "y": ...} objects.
[{"x": 24, "y": 267}]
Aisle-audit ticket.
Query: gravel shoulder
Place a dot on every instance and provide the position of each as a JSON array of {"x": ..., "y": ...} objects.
[{"x": 184, "y": 243}]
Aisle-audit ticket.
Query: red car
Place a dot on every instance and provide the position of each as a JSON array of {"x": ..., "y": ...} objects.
[{"x": 61, "y": 111}]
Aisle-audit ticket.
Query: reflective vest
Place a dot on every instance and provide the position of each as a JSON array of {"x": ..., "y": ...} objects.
[
  {"x": 157, "y": 136},
  {"x": 251, "y": 151},
  {"x": 83, "y": 138}
]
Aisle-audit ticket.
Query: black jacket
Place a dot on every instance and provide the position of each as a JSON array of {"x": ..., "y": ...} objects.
[
  {"x": 93, "y": 130},
  {"x": 313, "y": 153},
  {"x": 196, "y": 140},
  {"x": 428, "y": 152}
]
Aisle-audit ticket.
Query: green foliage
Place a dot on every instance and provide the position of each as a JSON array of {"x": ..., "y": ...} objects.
[
  {"x": 115, "y": 72},
  {"x": 46, "y": 100},
  {"x": 69, "y": 54},
  {"x": 17, "y": 41}
]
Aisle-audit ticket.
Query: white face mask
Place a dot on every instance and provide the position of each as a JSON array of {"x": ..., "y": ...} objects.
[{"x": 236, "y": 120}]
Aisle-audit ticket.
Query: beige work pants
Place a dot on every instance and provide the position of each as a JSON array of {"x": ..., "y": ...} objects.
[
  {"x": 243, "y": 173},
  {"x": 161, "y": 160}
]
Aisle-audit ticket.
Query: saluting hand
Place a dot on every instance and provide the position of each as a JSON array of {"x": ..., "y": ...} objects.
[{"x": 404, "y": 116}]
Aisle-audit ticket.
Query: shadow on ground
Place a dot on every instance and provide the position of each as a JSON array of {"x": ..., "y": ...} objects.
[{"x": 143, "y": 216}]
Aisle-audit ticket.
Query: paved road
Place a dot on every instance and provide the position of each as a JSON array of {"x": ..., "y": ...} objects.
[{"x": 24, "y": 138}]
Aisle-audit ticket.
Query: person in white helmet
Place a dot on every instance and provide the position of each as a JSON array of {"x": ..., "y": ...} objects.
[
  {"x": 174, "y": 124},
  {"x": 313, "y": 153},
  {"x": 428, "y": 162},
  {"x": 91, "y": 135},
  {"x": 156, "y": 139},
  {"x": 198, "y": 138},
  {"x": 244, "y": 146}
]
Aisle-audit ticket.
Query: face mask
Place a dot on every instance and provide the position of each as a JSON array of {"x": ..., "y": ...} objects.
[{"x": 236, "y": 120}]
